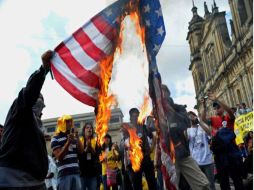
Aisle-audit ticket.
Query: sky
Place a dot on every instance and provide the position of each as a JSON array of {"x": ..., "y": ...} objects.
[{"x": 29, "y": 28}]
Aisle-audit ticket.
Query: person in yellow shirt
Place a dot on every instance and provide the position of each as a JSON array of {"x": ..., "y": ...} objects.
[
  {"x": 110, "y": 163},
  {"x": 89, "y": 159}
]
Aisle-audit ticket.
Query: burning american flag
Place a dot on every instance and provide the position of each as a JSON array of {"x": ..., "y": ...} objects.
[{"x": 83, "y": 63}]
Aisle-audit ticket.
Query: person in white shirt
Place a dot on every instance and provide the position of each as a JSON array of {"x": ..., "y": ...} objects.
[
  {"x": 51, "y": 179},
  {"x": 198, "y": 135}
]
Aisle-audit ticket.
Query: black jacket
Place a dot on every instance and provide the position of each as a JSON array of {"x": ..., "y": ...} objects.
[
  {"x": 91, "y": 167},
  {"x": 23, "y": 145}
]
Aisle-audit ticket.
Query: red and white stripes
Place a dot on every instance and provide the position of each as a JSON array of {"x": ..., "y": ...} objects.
[{"x": 75, "y": 64}]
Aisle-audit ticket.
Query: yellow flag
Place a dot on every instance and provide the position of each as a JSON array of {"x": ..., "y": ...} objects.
[{"x": 243, "y": 124}]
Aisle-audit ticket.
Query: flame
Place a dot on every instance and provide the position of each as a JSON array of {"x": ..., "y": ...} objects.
[
  {"x": 102, "y": 156},
  {"x": 105, "y": 101},
  {"x": 145, "y": 109},
  {"x": 135, "y": 151},
  {"x": 172, "y": 152}
]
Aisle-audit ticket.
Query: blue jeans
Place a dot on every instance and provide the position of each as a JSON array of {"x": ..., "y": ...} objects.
[
  {"x": 69, "y": 182},
  {"x": 89, "y": 183}
]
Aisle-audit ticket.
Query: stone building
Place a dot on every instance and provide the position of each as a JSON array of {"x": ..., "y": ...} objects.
[
  {"x": 220, "y": 62},
  {"x": 80, "y": 119}
]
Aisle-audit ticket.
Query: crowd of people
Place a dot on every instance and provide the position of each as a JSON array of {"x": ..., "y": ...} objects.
[{"x": 204, "y": 148}]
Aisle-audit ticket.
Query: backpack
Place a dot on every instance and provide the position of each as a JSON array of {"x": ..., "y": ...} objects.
[{"x": 223, "y": 143}]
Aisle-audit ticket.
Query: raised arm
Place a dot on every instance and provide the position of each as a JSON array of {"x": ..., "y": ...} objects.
[
  {"x": 205, "y": 127},
  {"x": 224, "y": 106},
  {"x": 29, "y": 94}
]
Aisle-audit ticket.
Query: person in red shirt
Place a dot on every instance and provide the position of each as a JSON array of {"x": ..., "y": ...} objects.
[
  {"x": 224, "y": 116},
  {"x": 227, "y": 156}
]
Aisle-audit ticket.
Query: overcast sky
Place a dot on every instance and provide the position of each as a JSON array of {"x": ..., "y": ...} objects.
[{"x": 29, "y": 28}]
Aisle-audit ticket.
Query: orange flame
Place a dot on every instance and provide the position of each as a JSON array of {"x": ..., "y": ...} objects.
[
  {"x": 135, "y": 151},
  {"x": 105, "y": 101},
  {"x": 102, "y": 156},
  {"x": 172, "y": 152},
  {"x": 144, "y": 110}
]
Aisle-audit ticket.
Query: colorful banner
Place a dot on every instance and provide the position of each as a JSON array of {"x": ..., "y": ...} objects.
[{"x": 243, "y": 124}]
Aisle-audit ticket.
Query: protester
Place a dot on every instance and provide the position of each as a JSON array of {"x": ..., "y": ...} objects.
[
  {"x": 89, "y": 159},
  {"x": 234, "y": 110},
  {"x": 23, "y": 153},
  {"x": 66, "y": 146},
  {"x": 242, "y": 109},
  {"x": 220, "y": 116},
  {"x": 198, "y": 136},
  {"x": 178, "y": 123},
  {"x": 248, "y": 162},
  {"x": 110, "y": 164},
  {"x": 227, "y": 156},
  {"x": 146, "y": 165}
]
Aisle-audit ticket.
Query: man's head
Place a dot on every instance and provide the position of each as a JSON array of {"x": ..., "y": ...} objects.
[
  {"x": 134, "y": 113},
  {"x": 192, "y": 115},
  {"x": 233, "y": 109},
  {"x": 218, "y": 109},
  {"x": 193, "y": 118},
  {"x": 64, "y": 124},
  {"x": 38, "y": 106},
  {"x": 107, "y": 139},
  {"x": 88, "y": 130},
  {"x": 243, "y": 105}
]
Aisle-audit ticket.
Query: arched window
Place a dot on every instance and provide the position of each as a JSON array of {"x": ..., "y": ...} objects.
[
  {"x": 239, "y": 96},
  {"x": 242, "y": 11}
]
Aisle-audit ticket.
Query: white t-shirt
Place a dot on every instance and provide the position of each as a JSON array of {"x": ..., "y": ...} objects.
[
  {"x": 52, "y": 169},
  {"x": 198, "y": 144}
]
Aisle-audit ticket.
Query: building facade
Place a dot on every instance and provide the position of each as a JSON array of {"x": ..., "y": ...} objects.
[
  {"x": 220, "y": 62},
  {"x": 79, "y": 120}
]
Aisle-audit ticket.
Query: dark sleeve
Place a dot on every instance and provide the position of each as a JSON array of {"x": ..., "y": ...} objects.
[
  {"x": 29, "y": 94},
  {"x": 98, "y": 150},
  {"x": 149, "y": 132}
]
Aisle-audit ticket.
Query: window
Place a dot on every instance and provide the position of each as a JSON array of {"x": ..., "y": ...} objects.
[
  {"x": 77, "y": 124},
  {"x": 239, "y": 96},
  {"x": 51, "y": 129},
  {"x": 114, "y": 119},
  {"x": 89, "y": 121}
]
